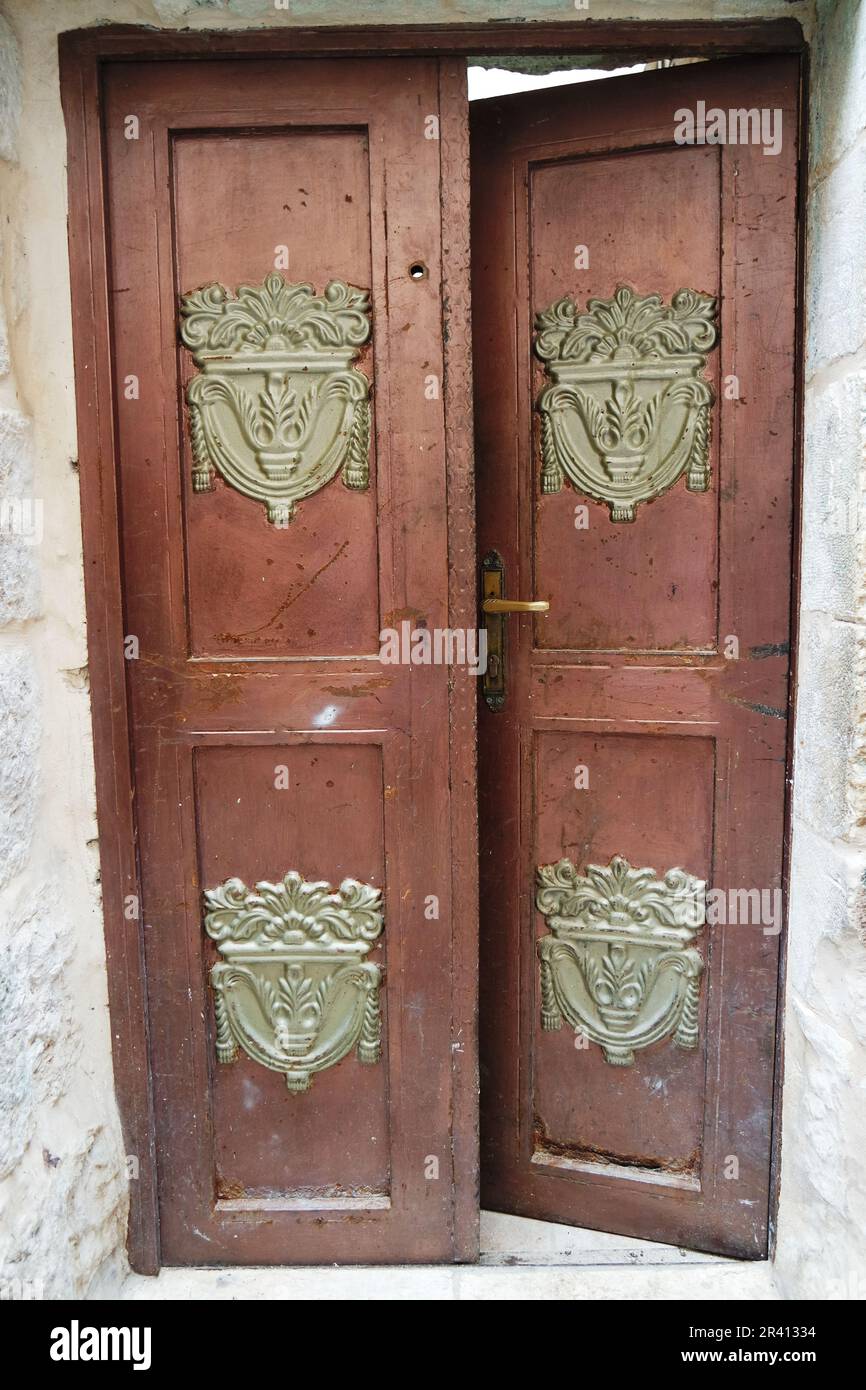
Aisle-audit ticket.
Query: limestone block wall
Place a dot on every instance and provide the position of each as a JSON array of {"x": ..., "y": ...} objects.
[
  {"x": 822, "y": 1217},
  {"x": 62, "y": 1169}
]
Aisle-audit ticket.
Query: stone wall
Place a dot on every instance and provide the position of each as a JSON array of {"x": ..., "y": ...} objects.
[
  {"x": 822, "y": 1216},
  {"x": 62, "y": 1169}
]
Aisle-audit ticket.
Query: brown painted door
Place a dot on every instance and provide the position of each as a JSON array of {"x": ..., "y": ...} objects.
[
  {"x": 307, "y": 1095},
  {"x": 628, "y": 1052}
]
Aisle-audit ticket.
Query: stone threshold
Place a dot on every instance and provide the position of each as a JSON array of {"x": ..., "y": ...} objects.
[{"x": 520, "y": 1260}]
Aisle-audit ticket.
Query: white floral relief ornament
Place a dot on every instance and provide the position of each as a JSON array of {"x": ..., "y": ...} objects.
[
  {"x": 626, "y": 410},
  {"x": 278, "y": 407},
  {"x": 293, "y": 989},
  {"x": 619, "y": 963}
]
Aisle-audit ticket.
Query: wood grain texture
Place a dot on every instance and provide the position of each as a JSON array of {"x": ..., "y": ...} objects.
[
  {"x": 462, "y": 613},
  {"x": 632, "y": 674},
  {"x": 367, "y": 746},
  {"x": 235, "y": 198},
  {"x": 94, "y": 396},
  {"x": 665, "y": 38},
  {"x": 673, "y": 548}
]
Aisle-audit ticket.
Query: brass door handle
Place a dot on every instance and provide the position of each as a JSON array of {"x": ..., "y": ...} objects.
[
  {"x": 494, "y": 609},
  {"x": 515, "y": 605}
]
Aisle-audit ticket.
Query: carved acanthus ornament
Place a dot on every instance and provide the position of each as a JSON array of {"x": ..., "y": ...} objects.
[
  {"x": 293, "y": 988},
  {"x": 278, "y": 407},
  {"x": 619, "y": 964},
  {"x": 626, "y": 410}
]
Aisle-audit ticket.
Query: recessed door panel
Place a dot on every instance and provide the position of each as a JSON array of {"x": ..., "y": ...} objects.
[
  {"x": 674, "y": 551},
  {"x": 244, "y": 203},
  {"x": 251, "y": 804},
  {"x": 650, "y": 802}
]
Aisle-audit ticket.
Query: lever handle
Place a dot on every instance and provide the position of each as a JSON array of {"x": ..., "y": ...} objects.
[
  {"x": 515, "y": 605},
  {"x": 494, "y": 609}
]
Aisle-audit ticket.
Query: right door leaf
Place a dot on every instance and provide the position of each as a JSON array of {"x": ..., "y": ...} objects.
[{"x": 634, "y": 347}]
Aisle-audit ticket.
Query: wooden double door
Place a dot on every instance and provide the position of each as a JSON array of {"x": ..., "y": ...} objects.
[{"x": 286, "y": 311}]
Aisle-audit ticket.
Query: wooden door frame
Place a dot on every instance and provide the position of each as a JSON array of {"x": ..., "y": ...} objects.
[{"x": 83, "y": 54}]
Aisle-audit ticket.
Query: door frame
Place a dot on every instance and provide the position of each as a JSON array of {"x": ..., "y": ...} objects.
[{"x": 83, "y": 55}]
